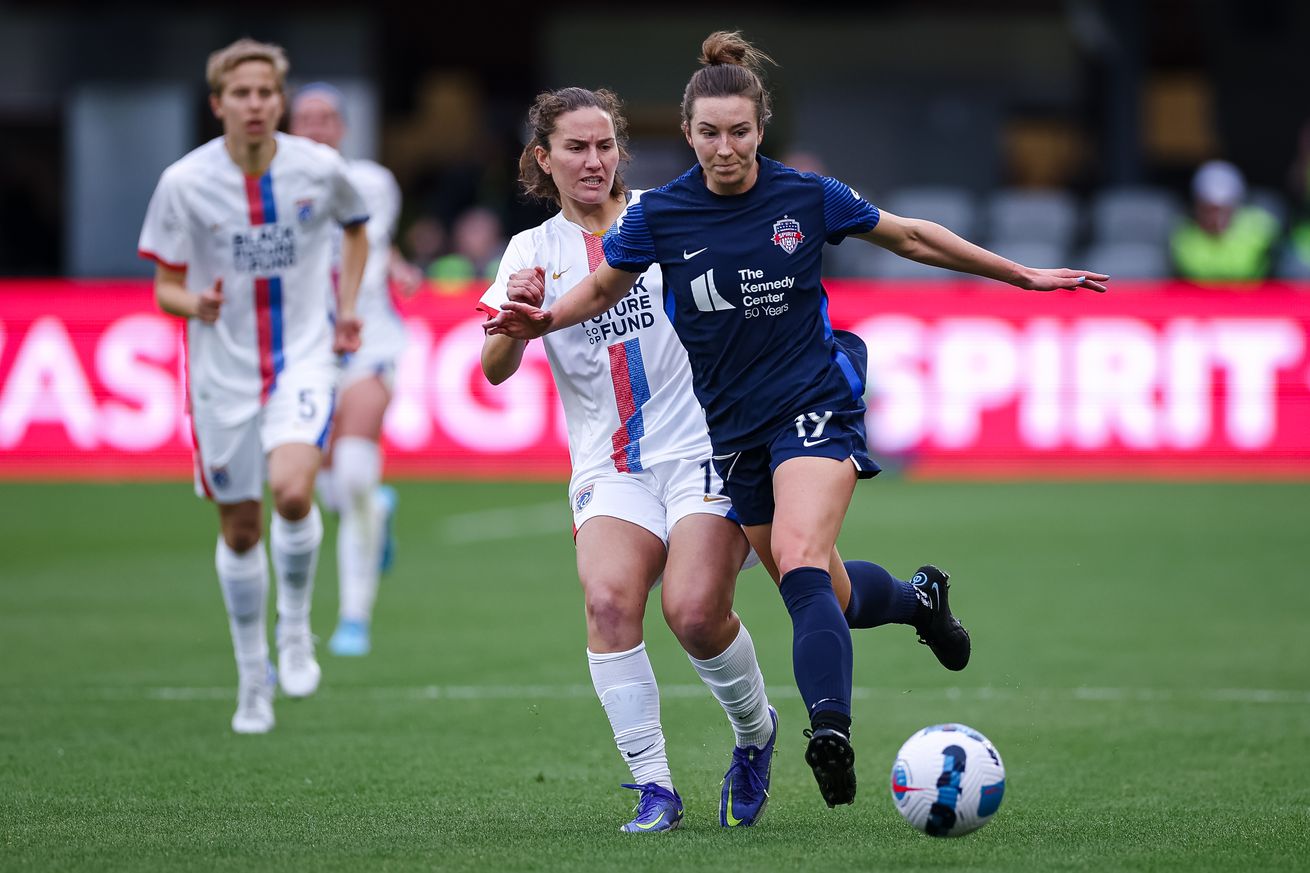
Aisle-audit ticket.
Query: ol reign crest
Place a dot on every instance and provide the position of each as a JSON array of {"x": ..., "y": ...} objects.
[
  {"x": 787, "y": 233},
  {"x": 584, "y": 497}
]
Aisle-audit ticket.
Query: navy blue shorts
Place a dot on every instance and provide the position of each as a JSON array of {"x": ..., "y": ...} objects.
[{"x": 748, "y": 475}]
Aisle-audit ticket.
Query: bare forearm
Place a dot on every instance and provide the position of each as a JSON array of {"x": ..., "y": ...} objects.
[
  {"x": 354, "y": 254},
  {"x": 930, "y": 243},
  {"x": 590, "y": 297},
  {"x": 173, "y": 298},
  {"x": 501, "y": 357}
]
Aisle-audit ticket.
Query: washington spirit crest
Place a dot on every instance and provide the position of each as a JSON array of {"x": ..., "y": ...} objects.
[{"x": 787, "y": 233}]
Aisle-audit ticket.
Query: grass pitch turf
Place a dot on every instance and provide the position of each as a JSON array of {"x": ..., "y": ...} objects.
[{"x": 1141, "y": 660}]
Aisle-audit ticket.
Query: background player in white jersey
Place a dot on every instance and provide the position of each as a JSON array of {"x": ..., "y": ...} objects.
[
  {"x": 646, "y": 500},
  {"x": 241, "y": 230},
  {"x": 350, "y": 480}
]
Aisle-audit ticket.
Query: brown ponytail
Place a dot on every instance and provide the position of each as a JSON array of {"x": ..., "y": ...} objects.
[{"x": 730, "y": 67}]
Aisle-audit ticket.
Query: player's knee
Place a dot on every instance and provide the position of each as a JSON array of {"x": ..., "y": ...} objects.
[
  {"x": 294, "y": 503},
  {"x": 241, "y": 537},
  {"x": 695, "y": 622},
  {"x": 610, "y": 606}
]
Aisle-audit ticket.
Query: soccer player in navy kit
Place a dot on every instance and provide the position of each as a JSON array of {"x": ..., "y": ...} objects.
[{"x": 739, "y": 238}]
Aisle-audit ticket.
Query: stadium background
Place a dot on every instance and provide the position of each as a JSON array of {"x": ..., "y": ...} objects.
[{"x": 1118, "y": 483}]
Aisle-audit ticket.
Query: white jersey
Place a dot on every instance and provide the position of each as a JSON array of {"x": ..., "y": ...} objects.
[
  {"x": 383, "y": 335},
  {"x": 623, "y": 376},
  {"x": 269, "y": 240}
]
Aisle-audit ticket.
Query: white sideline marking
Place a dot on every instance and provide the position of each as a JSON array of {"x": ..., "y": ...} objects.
[
  {"x": 576, "y": 692},
  {"x": 509, "y": 523}
]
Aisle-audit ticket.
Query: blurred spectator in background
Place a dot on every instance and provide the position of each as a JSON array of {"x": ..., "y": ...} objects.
[
  {"x": 425, "y": 241},
  {"x": 1223, "y": 238},
  {"x": 1296, "y": 260},
  {"x": 479, "y": 241}
]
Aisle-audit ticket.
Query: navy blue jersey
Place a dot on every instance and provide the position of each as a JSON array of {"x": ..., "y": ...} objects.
[{"x": 741, "y": 286}]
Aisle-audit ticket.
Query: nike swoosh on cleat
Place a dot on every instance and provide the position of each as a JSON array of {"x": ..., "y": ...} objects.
[
  {"x": 733, "y": 821},
  {"x": 687, "y": 256},
  {"x": 646, "y": 827}
]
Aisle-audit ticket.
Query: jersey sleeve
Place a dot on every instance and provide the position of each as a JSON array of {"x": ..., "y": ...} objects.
[
  {"x": 845, "y": 212},
  {"x": 348, "y": 206},
  {"x": 629, "y": 245},
  {"x": 383, "y": 207},
  {"x": 164, "y": 235},
  {"x": 517, "y": 256}
]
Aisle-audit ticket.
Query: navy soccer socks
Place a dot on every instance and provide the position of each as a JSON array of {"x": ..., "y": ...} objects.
[
  {"x": 821, "y": 646},
  {"x": 878, "y": 597}
]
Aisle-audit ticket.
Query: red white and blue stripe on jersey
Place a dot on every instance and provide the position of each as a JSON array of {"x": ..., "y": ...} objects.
[
  {"x": 631, "y": 388},
  {"x": 268, "y": 289}
]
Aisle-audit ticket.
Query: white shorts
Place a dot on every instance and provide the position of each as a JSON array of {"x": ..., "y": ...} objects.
[
  {"x": 230, "y": 459},
  {"x": 656, "y": 498},
  {"x": 383, "y": 342},
  {"x": 362, "y": 365}
]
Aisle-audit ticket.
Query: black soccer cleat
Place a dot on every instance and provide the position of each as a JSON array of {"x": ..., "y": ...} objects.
[
  {"x": 937, "y": 628},
  {"x": 832, "y": 759}
]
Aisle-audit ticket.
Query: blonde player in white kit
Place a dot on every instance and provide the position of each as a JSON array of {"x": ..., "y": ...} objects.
[
  {"x": 350, "y": 480},
  {"x": 241, "y": 230},
  {"x": 646, "y": 500}
]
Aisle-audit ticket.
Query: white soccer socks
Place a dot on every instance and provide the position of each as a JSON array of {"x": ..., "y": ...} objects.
[
  {"x": 357, "y": 471},
  {"x": 625, "y": 684},
  {"x": 733, "y": 677},
  {"x": 243, "y": 578},
  {"x": 295, "y": 553}
]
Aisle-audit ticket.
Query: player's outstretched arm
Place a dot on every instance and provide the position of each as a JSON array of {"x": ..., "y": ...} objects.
[
  {"x": 589, "y": 298},
  {"x": 930, "y": 243}
]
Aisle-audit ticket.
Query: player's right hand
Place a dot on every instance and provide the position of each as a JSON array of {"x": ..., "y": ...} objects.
[
  {"x": 209, "y": 303},
  {"x": 520, "y": 321},
  {"x": 527, "y": 286}
]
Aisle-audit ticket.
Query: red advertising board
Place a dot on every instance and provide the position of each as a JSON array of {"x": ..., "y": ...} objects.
[{"x": 965, "y": 379}]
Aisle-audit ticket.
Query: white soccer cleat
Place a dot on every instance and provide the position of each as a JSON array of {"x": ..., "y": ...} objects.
[
  {"x": 254, "y": 713},
  {"x": 297, "y": 670}
]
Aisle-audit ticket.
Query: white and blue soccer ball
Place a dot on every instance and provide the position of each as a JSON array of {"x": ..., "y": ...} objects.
[{"x": 948, "y": 780}]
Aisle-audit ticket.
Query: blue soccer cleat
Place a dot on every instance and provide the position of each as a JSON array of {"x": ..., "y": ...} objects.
[
  {"x": 658, "y": 809},
  {"x": 387, "y": 500},
  {"x": 746, "y": 784},
  {"x": 351, "y": 639}
]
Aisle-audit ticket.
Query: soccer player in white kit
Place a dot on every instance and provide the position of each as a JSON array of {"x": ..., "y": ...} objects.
[
  {"x": 350, "y": 481},
  {"x": 241, "y": 231},
  {"x": 646, "y": 500}
]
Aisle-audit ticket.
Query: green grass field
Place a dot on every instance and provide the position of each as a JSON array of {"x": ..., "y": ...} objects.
[{"x": 1141, "y": 660}]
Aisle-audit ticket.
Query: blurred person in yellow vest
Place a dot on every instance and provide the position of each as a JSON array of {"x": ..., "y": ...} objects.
[
  {"x": 479, "y": 241},
  {"x": 1223, "y": 239}
]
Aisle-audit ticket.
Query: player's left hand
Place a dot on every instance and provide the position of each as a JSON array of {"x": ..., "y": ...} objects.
[
  {"x": 347, "y": 337},
  {"x": 1066, "y": 279},
  {"x": 520, "y": 321}
]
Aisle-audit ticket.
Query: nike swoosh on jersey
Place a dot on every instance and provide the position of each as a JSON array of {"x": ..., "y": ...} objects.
[
  {"x": 714, "y": 498},
  {"x": 555, "y": 275},
  {"x": 688, "y": 256},
  {"x": 809, "y": 443}
]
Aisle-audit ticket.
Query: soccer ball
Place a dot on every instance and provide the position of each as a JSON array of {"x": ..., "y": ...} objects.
[{"x": 948, "y": 780}]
